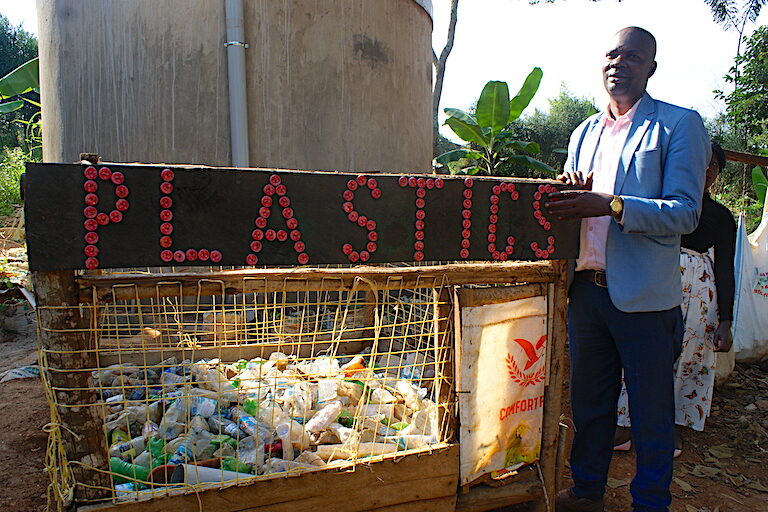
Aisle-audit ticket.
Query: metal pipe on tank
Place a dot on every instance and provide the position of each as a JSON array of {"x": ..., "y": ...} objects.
[{"x": 238, "y": 103}]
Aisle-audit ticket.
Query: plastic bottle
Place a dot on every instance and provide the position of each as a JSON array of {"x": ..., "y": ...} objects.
[
  {"x": 249, "y": 424},
  {"x": 184, "y": 452},
  {"x": 128, "y": 470},
  {"x": 232, "y": 464},
  {"x": 283, "y": 431},
  {"x": 144, "y": 459},
  {"x": 217, "y": 424},
  {"x": 128, "y": 448},
  {"x": 250, "y": 451},
  {"x": 324, "y": 417}
]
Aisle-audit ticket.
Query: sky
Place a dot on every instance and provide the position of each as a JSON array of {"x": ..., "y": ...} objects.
[{"x": 506, "y": 39}]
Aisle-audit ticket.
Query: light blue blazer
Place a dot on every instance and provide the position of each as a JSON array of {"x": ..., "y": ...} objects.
[{"x": 661, "y": 179}]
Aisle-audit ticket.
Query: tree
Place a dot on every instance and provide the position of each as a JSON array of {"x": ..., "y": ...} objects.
[
  {"x": 747, "y": 104},
  {"x": 17, "y": 46},
  {"x": 727, "y": 14},
  {"x": 439, "y": 64}
]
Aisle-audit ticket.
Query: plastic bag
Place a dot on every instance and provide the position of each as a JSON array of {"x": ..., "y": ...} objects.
[{"x": 750, "y": 322}]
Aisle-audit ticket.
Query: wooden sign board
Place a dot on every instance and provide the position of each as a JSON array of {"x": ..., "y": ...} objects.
[{"x": 127, "y": 215}]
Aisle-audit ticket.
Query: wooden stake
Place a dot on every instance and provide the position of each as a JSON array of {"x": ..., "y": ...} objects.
[{"x": 63, "y": 329}]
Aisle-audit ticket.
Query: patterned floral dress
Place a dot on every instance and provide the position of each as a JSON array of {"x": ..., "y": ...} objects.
[
  {"x": 695, "y": 368},
  {"x": 708, "y": 291}
]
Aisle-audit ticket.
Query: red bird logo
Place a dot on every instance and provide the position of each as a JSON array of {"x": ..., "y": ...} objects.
[{"x": 531, "y": 351}]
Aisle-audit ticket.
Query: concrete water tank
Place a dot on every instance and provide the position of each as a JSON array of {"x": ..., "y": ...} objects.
[{"x": 331, "y": 84}]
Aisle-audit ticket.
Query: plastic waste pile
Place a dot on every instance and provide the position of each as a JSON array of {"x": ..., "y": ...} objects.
[{"x": 210, "y": 421}]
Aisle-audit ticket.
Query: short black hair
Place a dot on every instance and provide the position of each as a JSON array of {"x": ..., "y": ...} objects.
[
  {"x": 647, "y": 35},
  {"x": 717, "y": 150}
]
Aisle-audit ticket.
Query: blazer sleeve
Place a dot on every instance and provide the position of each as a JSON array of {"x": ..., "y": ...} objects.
[
  {"x": 677, "y": 211},
  {"x": 574, "y": 144}
]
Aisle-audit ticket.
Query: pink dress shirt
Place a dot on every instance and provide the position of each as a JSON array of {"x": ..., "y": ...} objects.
[{"x": 594, "y": 230}]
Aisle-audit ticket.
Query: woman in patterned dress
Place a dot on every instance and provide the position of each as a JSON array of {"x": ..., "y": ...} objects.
[{"x": 708, "y": 290}]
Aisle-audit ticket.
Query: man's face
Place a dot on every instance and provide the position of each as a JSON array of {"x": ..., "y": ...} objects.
[{"x": 628, "y": 65}]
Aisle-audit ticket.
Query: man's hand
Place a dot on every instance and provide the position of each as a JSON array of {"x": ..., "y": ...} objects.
[
  {"x": 574, "y": 178},
  {"x": 577, "y": 204},
  {"x": 723, "y": 339}
]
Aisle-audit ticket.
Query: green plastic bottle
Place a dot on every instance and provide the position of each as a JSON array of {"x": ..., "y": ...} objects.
[
  {"x": 126, "y": 469},
  {"x": 251, "y": 406},
  {"x": 232, "y": 464}
]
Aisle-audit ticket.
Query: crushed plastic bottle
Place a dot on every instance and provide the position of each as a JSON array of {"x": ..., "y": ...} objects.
[{"x": 324, "y": 417}]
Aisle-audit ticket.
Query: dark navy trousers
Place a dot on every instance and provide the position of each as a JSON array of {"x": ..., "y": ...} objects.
[{"x": 603, "y": 341}]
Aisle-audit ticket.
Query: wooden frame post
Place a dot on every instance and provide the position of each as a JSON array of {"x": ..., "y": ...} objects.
[
  {"x": 62, "y": 329},
  {"x": 550, "y": 463}
]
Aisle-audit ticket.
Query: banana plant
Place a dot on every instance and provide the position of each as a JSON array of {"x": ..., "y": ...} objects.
[
  {"x": 14, "y": 86},
  {"x": 485, "y": 132},
  {"x": 760, "y": 184}
]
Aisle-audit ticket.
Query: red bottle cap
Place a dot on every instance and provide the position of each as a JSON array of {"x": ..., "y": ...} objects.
[
  {"x": 118, "y": 178},
  {"x": 166, "y": 255},
  {"x": 166, "y": 242},
  {"x": 90, "y": 212},
  {"x": 376, "y": 193},
  {"x": 91, "y": 263},
  {"x": 275, "y": 180},
  {"x": 116, "y": 216},
  {"x": 179, "y": 256},
  {"x": 257, "y": 234},
  {"x": 122, "y": 204},
  {"x": 191, "y": 254},
  {"x": 90, "y": 172},
  {"x": 91, "y": 199},
  {"x": 256, "y": 247},
  {"x": 102, "y": 219},
  {"x": 166, "y": 188},
  {"x": 215, "y": 256},
  {"x": 166, "y": 175},
  {"x": 251, "y": 259},
  {"x": 266, "y": 201},
  {"x": 121, "y": 191},
  {"x": 105, "y": 173},
  {"x": 90, "y": 186}
]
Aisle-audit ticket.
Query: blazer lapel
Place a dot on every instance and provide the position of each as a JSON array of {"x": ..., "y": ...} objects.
[
  {"x": 640, "y": 124},
  {"x": 588, "y": 147}
]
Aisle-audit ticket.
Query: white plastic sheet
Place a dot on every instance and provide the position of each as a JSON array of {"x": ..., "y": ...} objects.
[
  {"x": 750, "y": 323},
  {"x": 502, "y": 379}
]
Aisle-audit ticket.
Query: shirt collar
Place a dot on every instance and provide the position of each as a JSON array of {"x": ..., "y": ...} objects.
[{"x": 607, "y": 120}]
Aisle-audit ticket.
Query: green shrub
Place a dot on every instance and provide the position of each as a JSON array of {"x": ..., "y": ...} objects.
[{"x": 11, "y": 167}]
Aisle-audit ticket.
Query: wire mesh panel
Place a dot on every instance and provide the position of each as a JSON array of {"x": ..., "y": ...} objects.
[{"x": 218, "y": 389}]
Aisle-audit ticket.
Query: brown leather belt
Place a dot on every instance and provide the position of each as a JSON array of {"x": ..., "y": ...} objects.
[{"x": 593, "y": 276}]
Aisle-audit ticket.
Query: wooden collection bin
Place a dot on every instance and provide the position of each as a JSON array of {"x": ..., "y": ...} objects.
[
  {"x": 76, "y": 340},
  {"x": 414, "y": 481}
]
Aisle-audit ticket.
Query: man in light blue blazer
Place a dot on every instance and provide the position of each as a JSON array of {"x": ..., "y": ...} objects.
[{"x": 641, "y": 165}]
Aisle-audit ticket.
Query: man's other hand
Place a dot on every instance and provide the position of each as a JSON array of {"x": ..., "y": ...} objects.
[
  {"x": 577, "y": 204},
  {"x": 574, "y": 178}
]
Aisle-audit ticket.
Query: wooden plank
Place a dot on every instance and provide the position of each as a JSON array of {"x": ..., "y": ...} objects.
[
  {"x": 550, "y": 438},
  {"x": 117, "y": 287},
  {"x": 409, "y": 481},
  {"x": 472, "y": 297},
  {"x": 132, "y": 215},
  {"x": 746, "y": 158},
  {"x": 445, "y": 341},
  {"x": 482, "y": 497},
  {"x": 62, "y": 338},
  {"x": 152, "y": 356}
]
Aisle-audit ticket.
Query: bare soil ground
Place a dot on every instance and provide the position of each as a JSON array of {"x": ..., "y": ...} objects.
[{"x": 722, "y": 469}]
